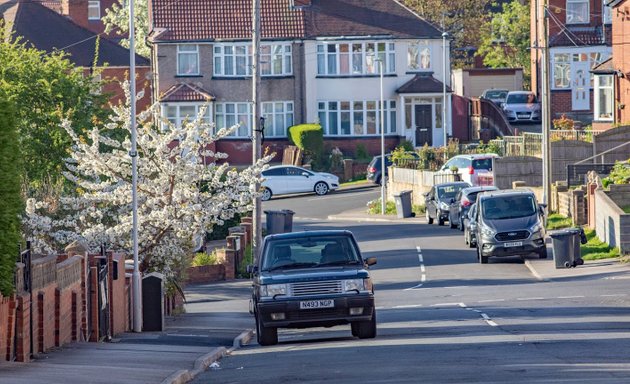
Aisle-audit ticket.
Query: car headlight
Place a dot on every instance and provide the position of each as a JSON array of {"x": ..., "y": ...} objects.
[
  {"x": 444, "y": 206},
  {"x": 487, "y": 231},
  {"x": 273, "y": 290},
  {"x": 354, "y": 285},
  {"x": 536, "y": 228}
]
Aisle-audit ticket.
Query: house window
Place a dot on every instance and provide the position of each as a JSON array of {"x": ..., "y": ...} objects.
[
  {"x": 278, "y": 117},
  {"x": 94, "y": 10},
  {"x": 607, "y": 14},
  {"x": 356, "y": 118},
  {"x": 187, "y": 60},
  {"x": 343, "y": 59},
  {"x": 178, "y": 113},
  {"x": 604, "y": 97},
  {"x": 419, "y": 56},
  {"x": 234, "y": 60},
  {"x": 230, "y": 114},
  {"x": 561, "y": 70},
  {"x": 577, "y": 12}
]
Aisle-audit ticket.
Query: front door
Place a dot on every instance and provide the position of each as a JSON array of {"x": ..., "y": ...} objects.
[
  {"x": 580, "y": 86},
  {"x": 424, "y": 126}
]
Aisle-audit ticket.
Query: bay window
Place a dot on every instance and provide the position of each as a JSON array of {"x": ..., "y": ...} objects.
[
  {"x": 230, "y": 114},
  {"x": 604, "y": 97},
  {"x": 356, "y": 118},
  {"x": 180, "y": 112},
  {"x": 187, "y": 60},
  {"x": 343, "y": 59}
]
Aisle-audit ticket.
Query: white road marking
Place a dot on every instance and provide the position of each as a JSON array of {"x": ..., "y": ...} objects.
[
  {"x": 420, "y": 259},
  {"x": 412, "y": 288},
  {"x": 446, "y": 304},
  {"x": 422, "y": 268},
  {"x": 408, "y": 306},
  {"x": 326, "y": 197},
  {"x": 423, "y": 271},
  {"x": 485, "y": 317},
  {"x": 491, "y": 301},
  {"x": 492, "y": 323},
  {"x": 530, "y": 298},
  {"x": 571, "y": 297},
  {"x": 423, "y": 278},
  {"x": 615, "y": 295}
]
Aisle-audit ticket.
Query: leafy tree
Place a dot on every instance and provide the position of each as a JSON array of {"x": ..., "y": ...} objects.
[
  {"x": 462, "y": 20},
  {"x": 10, "y": 198},
  {"x": 180, "y": 196},
  {"x": 116, "y": 19},
  {"x": 506, "y": 40},
  {"x": 45, "y": 88}
]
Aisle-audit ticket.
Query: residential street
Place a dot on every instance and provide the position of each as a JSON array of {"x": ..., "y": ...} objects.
[{"x": 462, "y": 322}]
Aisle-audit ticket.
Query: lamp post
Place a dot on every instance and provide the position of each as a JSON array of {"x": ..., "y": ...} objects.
[
  {"x": 133, "y": 153},
  {"x": 382, "y": 124},
  {"x": 444, "y": 36}
]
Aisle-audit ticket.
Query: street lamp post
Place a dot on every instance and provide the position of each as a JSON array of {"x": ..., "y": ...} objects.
[
  {"x": 135, "y": 277},
  {"x": 382, "y": 121},
  {"x": 444, "y": 36}
]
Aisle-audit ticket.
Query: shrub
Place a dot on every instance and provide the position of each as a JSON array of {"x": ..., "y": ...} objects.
[
  {"x": 406, "y": 145},
  {"x": 361, "y": 153},
  {"x": 400, "y": 155},
  {"x": 202, "y": 258},
  {"x": 563, "y": 123},
  {"x": 11, "y": 204},
  {"x": 620, "y": 174},
  {"x": 308, "y": 137}
]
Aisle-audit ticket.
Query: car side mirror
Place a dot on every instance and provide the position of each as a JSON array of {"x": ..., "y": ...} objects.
[
  {"x": 251, "y": 269},
  {"x": 370, "y": 261},
  {"x": 452, "y": 200},
  {"x": 305, "y": 174},
  {"x": 542, "y": 208}
]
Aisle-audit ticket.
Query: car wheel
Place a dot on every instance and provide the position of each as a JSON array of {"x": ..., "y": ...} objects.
[
  {"x": 482, "y": 259},
  {"x": 429, "y": 218},
  {"x": 543, "y": 253},
  {"x": 440, "y": 221},
  {"x": 266, "y": 195},
  {"x": 266, "y": 335},
  {"x": 321, "y": 188},
  {"x": 365, "y": 329}
]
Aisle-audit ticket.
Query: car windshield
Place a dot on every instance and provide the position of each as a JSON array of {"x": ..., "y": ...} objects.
[
  {"x": 309, "y": 252},
  {"x": 449, "y": 191},
  {"x": 482, "y": 164},
  {"x": 521, "y": 98},
  {"x": 496, "y": 94},
  {"x": 508, "y": 207}
]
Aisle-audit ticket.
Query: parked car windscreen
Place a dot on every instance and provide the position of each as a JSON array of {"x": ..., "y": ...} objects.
[
  {"x": 482, "y": 164},
  {"x": 508, "y": 207},
  {"x": 449, "y": 191},
  {"x": 497, "y": 94},
  {"x": 521, "y": 98},
  {"x": 305, "y": 252}
]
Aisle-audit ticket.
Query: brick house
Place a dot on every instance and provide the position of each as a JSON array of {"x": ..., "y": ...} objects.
[
  {"x": 612, "y": 77},
  {"x": 317, "y": 64},
  {"x": 86, "y": 13},
  {"x": 579, "y": 39},
  {"x": 57, "y": 32}
]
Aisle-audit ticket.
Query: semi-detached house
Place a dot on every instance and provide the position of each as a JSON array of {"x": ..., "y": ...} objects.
[{"x": 319, "y": 63}]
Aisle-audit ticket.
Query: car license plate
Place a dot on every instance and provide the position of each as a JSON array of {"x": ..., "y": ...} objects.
[
  {"x": 314, "y": 304},
  {"x": 522, "y": 114},
  {"x": 513, "y": 244}
]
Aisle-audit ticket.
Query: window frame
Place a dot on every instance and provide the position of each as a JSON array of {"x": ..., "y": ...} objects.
[
  {"x": 178, "y": 116},
  {"x": 194, "y": 53},
  {"x": 332, "y": 110},
  {"x": 352, "y": 58},
  {"x": 597, "y": 95},
  {"x": 94, "y": 5},
  {"x": 224, "y": 53},
  {"x": 222, "y": 115},
  {"x": 288, "y": 117},
  {"x": 578, "y": 2},
  {"x": 420, "y": 45}
]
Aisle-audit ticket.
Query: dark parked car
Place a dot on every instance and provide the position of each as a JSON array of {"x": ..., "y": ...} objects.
[
  {"x": 497, "y": 96},
  {"x": 463, "y": 200},
  {"x": 509, "y": 223},
  {"x": 312, "y": 279},
  {"x": 470, "y": 226},
  {"x": 374, "y": 168},
  {"x": 439, "y": 199}
]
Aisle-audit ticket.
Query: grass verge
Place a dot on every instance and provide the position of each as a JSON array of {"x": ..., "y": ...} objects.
[
  {"x": 595, "y": 249},
  {"x": 557, "y": 221},
  {"x": 374, "y": 208}
]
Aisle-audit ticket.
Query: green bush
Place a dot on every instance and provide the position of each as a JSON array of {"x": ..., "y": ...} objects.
[
  {"x": 11, "y": 204},
  {"x": 247, "y": 260},
  {"x": 620, "y": 174},
  {"x": 406, "y": 145},
  {"x": 400, "y": 155},
  {"x": 308, "y": 137},
  {"x": 202, "y": 258},
  {"x": 361, "y": 153}
]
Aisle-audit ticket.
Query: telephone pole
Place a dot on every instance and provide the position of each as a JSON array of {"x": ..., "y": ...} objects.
[
  {"x": 256, "y": 124},
  {"x": 546, "y": 110}
]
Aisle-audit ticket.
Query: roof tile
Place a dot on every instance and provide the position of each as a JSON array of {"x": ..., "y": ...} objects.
[
  {"x": 423, "y": 83},
  {"x": 186, "y": 92}
]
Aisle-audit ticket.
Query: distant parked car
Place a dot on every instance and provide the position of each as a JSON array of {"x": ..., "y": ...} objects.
[
  {"x": 285, "y": 179},
  {"x": 439, "y": 199},
  {"x": 470, "y": 226},
  {"x": 463, "y": 201},
  {"x": 521, "y": 106},
  {"x": 497, "y": 96},
  {"x": 373, "y": 173},
  {"x": 471, "y": 167}
]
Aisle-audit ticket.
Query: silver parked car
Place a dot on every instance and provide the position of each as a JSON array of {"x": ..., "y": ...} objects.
[{"x": 521, "y": 106}]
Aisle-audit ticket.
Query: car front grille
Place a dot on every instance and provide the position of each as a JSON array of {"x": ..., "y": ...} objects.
[
  {"x": 513, "y": 235},
  {"x": 309, "y": 288}
]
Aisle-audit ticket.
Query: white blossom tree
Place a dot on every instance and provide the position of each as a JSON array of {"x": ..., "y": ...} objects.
[
  {"x": 183, "y": 191},
  {"x": 116, "y": 19}
]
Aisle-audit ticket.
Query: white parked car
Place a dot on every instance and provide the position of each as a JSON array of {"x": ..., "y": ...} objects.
[
  {"x": 521, "y": 106},
  {"x": 285, "y": 179},
  {"x": 475, "y": 169}
]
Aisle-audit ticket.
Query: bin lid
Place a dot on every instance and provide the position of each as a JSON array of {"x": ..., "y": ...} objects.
[
  {"x": 559, "y": 233},
  {"x": 573, "y": 231}
]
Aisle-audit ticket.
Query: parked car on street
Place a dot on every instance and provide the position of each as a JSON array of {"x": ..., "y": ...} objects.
[
  {"x": 373, "y": 172},
  {"x": 521, "y": 106},
  {"x": 312, "y": 279},
  {"x": 509, "y": 223},
  {"x": 470, "y": 226},
  {"x": 439, "y": 199},
  {"x": 285, "y": 179},
  {"x": 497, "y": 96},
  {"x": 463, "y": 201},
  {"x": 475, "y": 169}
]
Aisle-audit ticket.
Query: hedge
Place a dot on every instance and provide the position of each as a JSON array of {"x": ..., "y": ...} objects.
[
  {"x": 307, "y": 137},
  {"x": 11, "y": 204}
]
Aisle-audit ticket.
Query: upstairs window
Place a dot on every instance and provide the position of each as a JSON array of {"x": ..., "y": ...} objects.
[
  {"x": 342, "y": 59},
  {"x": 577, "y": 12},
  {"x": 419, "y": 56},
  {"x": 188, "y": 60},
  {"x": 235, "y": 60},
  {"x": 607, "y": 14},
  {"x": 94, "y": 10}
]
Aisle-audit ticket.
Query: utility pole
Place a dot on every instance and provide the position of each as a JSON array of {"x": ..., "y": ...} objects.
[
  {"x": 256, "y": 127},
  {"x": 383, "y": 180},
  {"x": 546, "y": 110},
  {"x": 135, "y": 277},
  {"x": 444, "y": 36}
]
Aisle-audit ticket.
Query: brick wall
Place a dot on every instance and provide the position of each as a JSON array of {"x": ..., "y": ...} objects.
[
  {"x": 205, "y": 274},
  {"x": 7, "y": 325},
  {"x": 116, "y": 75},
  {"x": 621, "y": 60},
  {"x": 67, "y": 316},
  {"x": 43, "y": 296},
  {"x": 23, "y": 335}
]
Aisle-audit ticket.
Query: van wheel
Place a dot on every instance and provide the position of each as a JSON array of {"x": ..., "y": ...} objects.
[
  {"x": 266, "y": 335},
  {"x": 364, "y": 329},
  {"x": 440, "y": 221},
  {"x": 429, "y": 218},
  {"x": 451, "y": 224},
  {"x": 482, "y": 259}
]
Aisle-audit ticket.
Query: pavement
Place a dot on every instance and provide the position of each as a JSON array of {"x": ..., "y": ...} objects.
[{"x": 215, "y": 323}]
